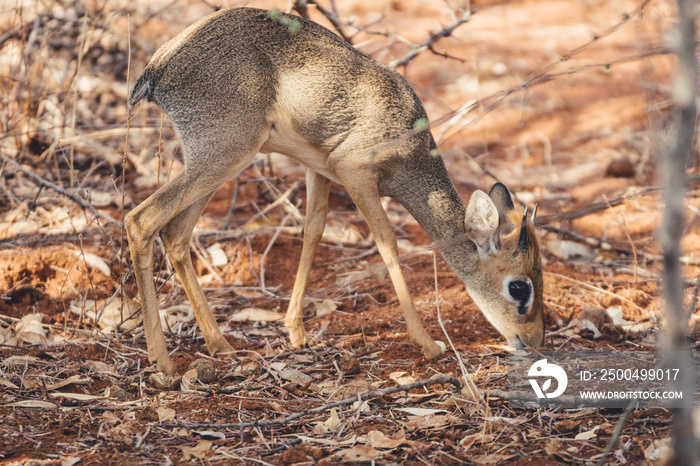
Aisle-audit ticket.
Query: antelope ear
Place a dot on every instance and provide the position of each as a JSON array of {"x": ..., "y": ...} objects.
[
  {"x": 481, "y": 223},
  {"x": 500, "y": 195}
]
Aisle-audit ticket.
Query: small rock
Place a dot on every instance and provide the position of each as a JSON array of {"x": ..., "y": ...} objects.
[
  {"x": 206, "y": 372},
  {"x": 621, "y": 166}
]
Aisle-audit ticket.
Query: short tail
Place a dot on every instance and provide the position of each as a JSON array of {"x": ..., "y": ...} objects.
[{"x": 142, "y": 89}]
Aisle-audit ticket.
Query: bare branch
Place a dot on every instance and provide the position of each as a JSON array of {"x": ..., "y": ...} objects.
[
  {"x": 430, "y": 42},
  {"x": 42, "y": 182}
]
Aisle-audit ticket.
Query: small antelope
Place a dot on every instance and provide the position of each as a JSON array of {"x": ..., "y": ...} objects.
[{"x": 243, "y": 81}]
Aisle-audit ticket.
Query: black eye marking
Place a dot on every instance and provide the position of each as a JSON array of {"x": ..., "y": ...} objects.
[{"x": 520, "y": 291}]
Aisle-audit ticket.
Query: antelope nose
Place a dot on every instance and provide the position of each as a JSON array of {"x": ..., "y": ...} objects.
[{"x": 516, "y": 343}]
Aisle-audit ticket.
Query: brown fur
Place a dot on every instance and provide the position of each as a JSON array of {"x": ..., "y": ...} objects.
[{"x": 242, "y": 81}]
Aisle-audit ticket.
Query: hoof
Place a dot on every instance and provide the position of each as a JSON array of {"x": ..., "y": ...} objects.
[
  {"x": 297, "y": 338},
  {"x": 434, "y": 350},
  {"x": 220, "y": 347},
  {"x": 166, "y": 367}
]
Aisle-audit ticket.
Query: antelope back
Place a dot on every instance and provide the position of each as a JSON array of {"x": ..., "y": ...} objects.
[
  {"x": 279, "y": 83},
  {"x": 507, "y": 282}
]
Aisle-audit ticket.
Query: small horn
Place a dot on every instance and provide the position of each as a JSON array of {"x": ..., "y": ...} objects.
[
  {"x": 533, "y": 215},
  {"x": 522, "y": 240}
]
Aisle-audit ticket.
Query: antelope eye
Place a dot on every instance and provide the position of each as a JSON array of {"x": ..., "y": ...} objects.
[{"x": 519, "y": 290}]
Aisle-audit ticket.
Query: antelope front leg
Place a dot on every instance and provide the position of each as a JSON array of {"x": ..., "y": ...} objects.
[
  {"x": 364, "y": 192},
  {"x": 317, "y": 187}
]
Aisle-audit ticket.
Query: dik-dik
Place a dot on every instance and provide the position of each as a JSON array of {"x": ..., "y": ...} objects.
[{"x": 244, "y": 81}]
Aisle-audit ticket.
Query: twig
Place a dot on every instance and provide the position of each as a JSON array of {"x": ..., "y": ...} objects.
[
  {"x": 267, "y": 250},
  {"x": 473, "y": 391},
  {"x": 594, "y": 207},
  {"x": 232, "y": 206},
  {"x": 430, "y": 42},
  {"x": 440, "y": 380},
  {"x": 333, "y": 17},
  {"x": 42, "y": 182}
]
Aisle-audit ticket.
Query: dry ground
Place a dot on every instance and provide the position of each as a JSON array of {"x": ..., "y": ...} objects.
[{"x": 566, "y": 102}]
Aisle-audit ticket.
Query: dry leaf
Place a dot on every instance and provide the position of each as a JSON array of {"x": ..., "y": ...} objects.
[
  {"x": 102, "y": 199},
  {"x": 7, "y": 384},
  {"x": 217, "y": 255},
  {"x": 421, "y": 411},
  {"x": 478, "y": 437},
  {"x": 165, "y": 414},
  {"x": 201, "y": 450},
  {"x": 29, "y": 329},
  {"x": 95, "y": 262},
  {"x": 659, "y": 450},
  {"x": 295, "y": 376},
  {"x": 565, "y": 249},
  {"x": 343, "y": 233},
  {"x": 19, "y": 361},
  {"x": 325, "y": 307},
  {"x": 401, "y": 378},
  {"x": 70, "y": 460},
  {"x": 70, "y": 380},
  {"x": 188, "y": 380},
  {"x": 304, "y": 358},
  {"x": 581, "y": 413},
  {"x": 77, "y": 396},
  {"x": 361, "y": 406},
  {"x": 262, "y": 332},
  {"x": 430, "y": 421},
  {"x": 332, "y": 423},
  {"x": 615, "y": 314},
  {"x": 587, "y": 435},
  {"x": 211, "y": 435},
  {"x": 33, "y": 404},
  {"x": 252, "y": 314},
  {"x": 378, "y": 439},
  {"x": 109, "y": 417},
  {"x": 5, "y": 335},
  {"x": 552, "y": 447},
  {"x": 102, "y": 368},
  {"x": 348, "y": 390},
  {"x": 250, "y": 294},
  {"x": 108, "y": 313},
  {"x": 247, "y": 368}
]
